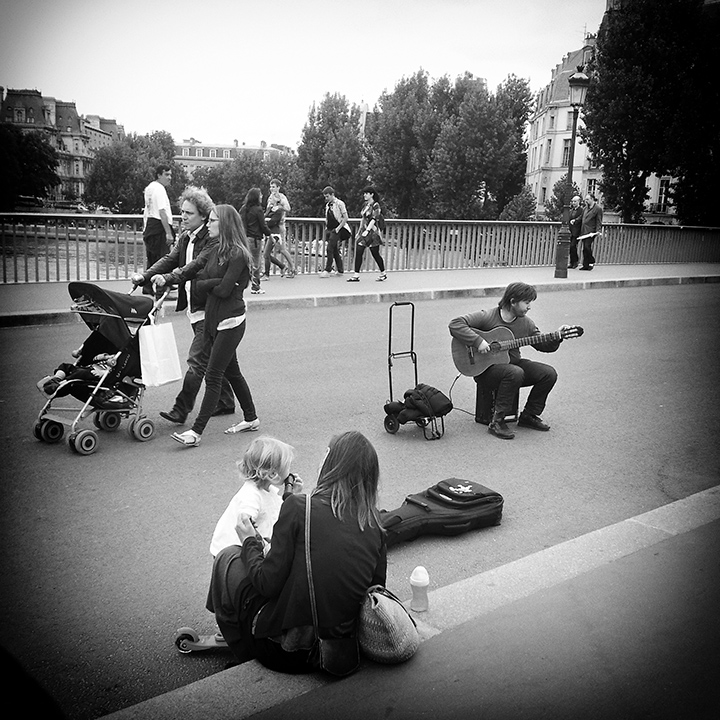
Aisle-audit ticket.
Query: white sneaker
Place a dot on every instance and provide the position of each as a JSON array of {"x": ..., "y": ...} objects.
[
  {"x": 244, "y": 426},
  {"x": 259, "y": 291},
  {"x": 324, "y": 274}
]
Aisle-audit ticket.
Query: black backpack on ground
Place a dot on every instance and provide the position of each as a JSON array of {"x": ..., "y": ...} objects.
[
  {"x": 451, "y": 507},
  {"x": 422, "y": 401}
]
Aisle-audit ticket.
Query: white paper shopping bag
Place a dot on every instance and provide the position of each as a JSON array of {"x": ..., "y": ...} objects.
[{"x": 159, "y": 361}]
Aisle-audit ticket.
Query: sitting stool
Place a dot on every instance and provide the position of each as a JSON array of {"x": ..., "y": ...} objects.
[{"x": 485, "y": 404}]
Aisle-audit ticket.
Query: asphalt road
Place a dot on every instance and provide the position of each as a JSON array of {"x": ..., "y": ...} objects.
[{"x": 103, "y": 557}]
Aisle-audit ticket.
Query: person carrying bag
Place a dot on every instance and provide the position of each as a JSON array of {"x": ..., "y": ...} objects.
[
  {"x": 296, "y": 610},
  {"x": 159, "y": 360}
]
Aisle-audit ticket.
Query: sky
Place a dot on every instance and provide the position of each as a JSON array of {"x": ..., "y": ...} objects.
[{"x": 226, "y": 70}]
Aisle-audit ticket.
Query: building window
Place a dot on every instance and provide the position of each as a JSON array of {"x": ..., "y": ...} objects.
[
  {"x": 592, "y": 187},
  {"x": 226, "y": 154},
  {"x": 213, "y": 153},
  {"x": 663, "y": 194},
  {"x": 186, "y": 152},
  {"x": 566, "y": 153},
  {"x": 568, "y": 121},
  {"x": 19, "y": 115},
  {"x": 548, "y": 152},
  {"x": 543, "y": 195},
  {"x": 552, "y": 122}
]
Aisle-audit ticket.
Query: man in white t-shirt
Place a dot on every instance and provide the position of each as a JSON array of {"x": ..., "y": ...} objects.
[{"x": 157, "y": 217}]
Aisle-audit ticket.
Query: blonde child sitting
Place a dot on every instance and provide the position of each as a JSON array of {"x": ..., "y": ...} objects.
[{"x": 264, "y": 473}]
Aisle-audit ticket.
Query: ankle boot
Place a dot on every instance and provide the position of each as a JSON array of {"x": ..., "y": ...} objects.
[{"x": 498, "y": 427}]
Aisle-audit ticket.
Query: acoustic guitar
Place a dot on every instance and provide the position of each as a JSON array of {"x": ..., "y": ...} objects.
[{"x": 471, "y": 362}]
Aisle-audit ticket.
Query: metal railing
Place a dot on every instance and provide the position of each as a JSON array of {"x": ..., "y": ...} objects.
[{"x": 39, "y": 247}]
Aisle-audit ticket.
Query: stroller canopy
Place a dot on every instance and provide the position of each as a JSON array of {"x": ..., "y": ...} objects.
[
  {"x": 113, "y": 303},
  {"x": 109, "y": 312}
]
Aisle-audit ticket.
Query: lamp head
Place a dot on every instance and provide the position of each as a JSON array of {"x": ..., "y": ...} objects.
[{"x": 578, "y": 83}]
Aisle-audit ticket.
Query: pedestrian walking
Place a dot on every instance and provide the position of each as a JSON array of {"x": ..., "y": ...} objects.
[
  {"x": 370, "y": 235},
  {"x": 253, "y": 220},
  {"x": 337, "y": 228},
  {"x": 589, "y": 230}
]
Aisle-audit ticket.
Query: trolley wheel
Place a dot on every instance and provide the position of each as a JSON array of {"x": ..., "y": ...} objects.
[
  {"x": 37, "y": 429},
  {"x": 83, "y": 442},
  {"x": 50, "y": 431},
  {"x": 142, "y": 429},
  {"x": 108, "y": 421},
  {"x": 392, "y": 425},
  {"x": 422, "y": 422},
  {"x": 185, "y": 636}
]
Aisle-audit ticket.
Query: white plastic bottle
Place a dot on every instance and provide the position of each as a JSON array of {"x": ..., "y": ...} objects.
[{"x": 419, "y": 581}]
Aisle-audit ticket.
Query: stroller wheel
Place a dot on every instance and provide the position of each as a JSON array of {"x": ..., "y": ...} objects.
[
  {"x": 108, "y": 421},
  {"x": 83, "y": 442},
  {"x": 50, "y": 431},
  {"x": 392, "y": 425},
  {"x": 142, "y": 429}
]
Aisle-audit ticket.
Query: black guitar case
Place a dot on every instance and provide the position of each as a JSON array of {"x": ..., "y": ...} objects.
[{"x": 452, "y": 507}]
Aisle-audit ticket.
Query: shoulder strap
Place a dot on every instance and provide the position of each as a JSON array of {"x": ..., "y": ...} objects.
[{"x": 308, "y": 564}]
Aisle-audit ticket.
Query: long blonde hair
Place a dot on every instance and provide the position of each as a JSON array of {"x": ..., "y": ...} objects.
[{"x": 233, "y": 240}]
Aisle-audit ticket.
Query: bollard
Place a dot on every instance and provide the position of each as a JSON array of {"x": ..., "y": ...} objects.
[{"x": 419, "y": 581}]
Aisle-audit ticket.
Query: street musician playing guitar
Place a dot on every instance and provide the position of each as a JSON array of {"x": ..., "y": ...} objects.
[{"x": 486, "y": 343}]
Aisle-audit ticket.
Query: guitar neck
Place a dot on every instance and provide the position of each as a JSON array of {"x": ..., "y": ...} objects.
[{"x": 532, "y": 340}]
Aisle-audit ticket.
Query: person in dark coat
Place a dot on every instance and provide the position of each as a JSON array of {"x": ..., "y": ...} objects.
[{"x": 262, "y": 603}]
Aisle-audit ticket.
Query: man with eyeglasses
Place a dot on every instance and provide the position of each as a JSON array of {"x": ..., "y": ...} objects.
[{"x": 195, "y": 207}]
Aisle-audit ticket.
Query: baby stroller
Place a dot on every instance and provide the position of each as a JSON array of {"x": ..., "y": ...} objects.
[{"x": 106, "y": 377}]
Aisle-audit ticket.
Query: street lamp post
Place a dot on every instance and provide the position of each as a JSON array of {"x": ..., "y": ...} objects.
[{"x": 578, "y": 83}]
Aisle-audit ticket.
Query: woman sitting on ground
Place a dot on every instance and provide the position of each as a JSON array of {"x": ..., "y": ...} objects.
[{"x": 262, "y": 604}]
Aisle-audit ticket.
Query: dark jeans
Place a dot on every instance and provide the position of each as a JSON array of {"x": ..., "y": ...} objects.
[
  {"x": 223, "y": 361},
  {"x": 256, "y": 247},
  {"x": 588, "y": 257},
  {"x": 507, "y": 379},
  {"x": 235, "y": 603},
  {"x": 333, "y": 251},
  {"x": 269, "y": 257},
  {"x": 197, "y": 361},
  {"x": 156, "y": 247},
  {"x": 375, "y": 251}
]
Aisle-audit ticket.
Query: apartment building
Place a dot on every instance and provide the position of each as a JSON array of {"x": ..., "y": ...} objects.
[
  {"x": 193, "y": 154},
  {"x": 76, "y": 137},
  {"x": 549, "y": 136}
]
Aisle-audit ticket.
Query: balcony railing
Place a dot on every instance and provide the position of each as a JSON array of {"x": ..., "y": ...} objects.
[{"x": 61, "y": 247}]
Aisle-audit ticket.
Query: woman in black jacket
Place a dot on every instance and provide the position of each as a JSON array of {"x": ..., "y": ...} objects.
[
  {"x": 222, "y": 272},
  {"x": 262, "y": 603},
  {"x": 256, "y": 230}
]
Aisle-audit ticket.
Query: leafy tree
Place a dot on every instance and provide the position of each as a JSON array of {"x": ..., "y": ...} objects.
[
  {"x": 330, "y": 153},
  {"x": 29, "y": 165},
  {"x": 559, "y": 198},
  {"x": 114, "y": 179},
  {"x": 520, "y": 208},
  {"x": 472, "y": 155},
  {"x": 642, "y": 103},
  {"x": 401, "y": 134},
  {"x": 449, "y": 150},
  {"x": 514, "y": 101},
  {"x": 122, "y": 170}
]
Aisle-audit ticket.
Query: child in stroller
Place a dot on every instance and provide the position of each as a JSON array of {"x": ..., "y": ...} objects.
[
  {"x": 78, "y": 378},
  {"x": 106, "y": 375}
]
